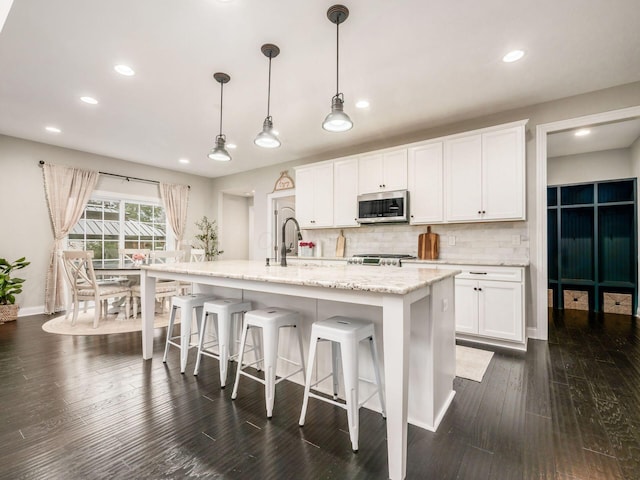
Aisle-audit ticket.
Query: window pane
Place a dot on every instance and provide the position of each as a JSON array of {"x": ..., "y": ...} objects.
[{"x": 100, "y": 228}]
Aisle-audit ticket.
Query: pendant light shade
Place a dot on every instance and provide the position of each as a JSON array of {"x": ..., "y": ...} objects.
[
  {"x": 219, "y": 152},
  {"x": 337, "y": 120},
  {"x": 267, "y": 137}
]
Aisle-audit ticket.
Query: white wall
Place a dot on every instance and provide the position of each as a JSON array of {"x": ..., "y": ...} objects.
[
  {"x": 590, "y": 167},
  {"x": 25, "y": 228}
]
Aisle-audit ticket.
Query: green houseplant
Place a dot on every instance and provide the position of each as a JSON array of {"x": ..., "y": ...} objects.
[
  {"x": 207, "y": 239},
  {"x": 9, "y": 288}
]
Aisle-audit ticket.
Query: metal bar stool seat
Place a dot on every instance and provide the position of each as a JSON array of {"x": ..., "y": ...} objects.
[
  {"x": 225, "y": 310},
  {"x": 345, "y": 334},
  {"x": 187, "y": 303},
  {"x": 270, "y": 321}
]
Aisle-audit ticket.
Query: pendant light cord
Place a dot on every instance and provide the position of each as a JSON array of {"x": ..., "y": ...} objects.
[
  {"x": 221, "y": 87},
  {"x": 337, "y": 54},
  {"x": 269, "y": 88}
]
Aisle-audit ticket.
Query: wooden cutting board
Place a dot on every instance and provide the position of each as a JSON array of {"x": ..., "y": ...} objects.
[
  {"x": 428, "y": 245},
  {"x": 340, "y": 244}
]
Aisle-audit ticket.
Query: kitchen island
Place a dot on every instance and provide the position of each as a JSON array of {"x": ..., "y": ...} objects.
[{"x": 412, "y": 308}]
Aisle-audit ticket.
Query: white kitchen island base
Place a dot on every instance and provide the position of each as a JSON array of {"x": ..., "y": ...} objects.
[{"x": 413, "y": 308}]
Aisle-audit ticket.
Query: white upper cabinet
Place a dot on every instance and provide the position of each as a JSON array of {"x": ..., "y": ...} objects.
[
  {"x": 425, "y": 182},
  {"x": 345, "y": 192},
  {"x": 383, "y": 172},
  {"x": 503, "y": 179},
  {"x": 314, "y": 195},
  {"x": 484, "y": 176}
]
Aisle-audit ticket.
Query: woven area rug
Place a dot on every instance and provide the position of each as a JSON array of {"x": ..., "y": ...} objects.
[
  {"x": 472, "y": 363},
  {"x": 84, "y": 324}
]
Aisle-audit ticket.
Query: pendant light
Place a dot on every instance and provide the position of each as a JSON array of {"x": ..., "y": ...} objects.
[
  {"x": 218, "y": 152},
  {"x": 267, "y": 138},
  {"x": 337, "y": 120}
]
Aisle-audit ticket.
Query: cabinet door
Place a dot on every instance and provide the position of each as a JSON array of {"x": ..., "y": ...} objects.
[
  {"x": 463, "y": 174},
  {"x": 466, "y": 306},
  {"x": 323, "y": 196},
  {"x": 394, "y": 170},
  {"x": 305, "y": 197},
  {"x": 370, "y": 173},
  {"x": 500, "y": 310},
  {"x": 425, "y": 183},
  {"x": 503, "y": 164},
  {"x": 345, "y": 193}
]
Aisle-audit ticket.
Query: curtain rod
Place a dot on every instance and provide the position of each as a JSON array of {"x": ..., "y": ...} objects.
[{"x": 126, "y": 177}]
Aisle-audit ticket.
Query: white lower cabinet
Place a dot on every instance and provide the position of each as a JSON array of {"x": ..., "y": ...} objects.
[{"x": 490, "y": 303}]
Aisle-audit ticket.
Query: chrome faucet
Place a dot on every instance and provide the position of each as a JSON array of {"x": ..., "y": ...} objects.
[{"x": 283, "y": 249}]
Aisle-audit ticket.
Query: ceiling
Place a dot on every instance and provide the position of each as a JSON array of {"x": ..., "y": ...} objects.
[
  {"x": 419, "y": 63},
  {"x": 606, "y": 136}
]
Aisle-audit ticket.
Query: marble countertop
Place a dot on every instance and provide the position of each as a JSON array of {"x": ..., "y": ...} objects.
[{"x": 348, "y": 277}]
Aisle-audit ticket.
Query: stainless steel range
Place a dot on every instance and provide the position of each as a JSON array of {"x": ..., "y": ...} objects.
[{"x": 379, "y": 259}]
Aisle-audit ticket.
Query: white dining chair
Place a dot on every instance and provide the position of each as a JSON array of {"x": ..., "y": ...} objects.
[
  {"x": 164, "y": 289},
  {"x": 78, "y": 267}
]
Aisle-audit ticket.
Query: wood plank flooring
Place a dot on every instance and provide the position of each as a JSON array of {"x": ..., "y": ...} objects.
[{"x": 90, "y": 407}]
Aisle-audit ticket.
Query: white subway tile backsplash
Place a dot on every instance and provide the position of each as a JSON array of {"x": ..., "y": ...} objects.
[{"x": 481, "y": 241}]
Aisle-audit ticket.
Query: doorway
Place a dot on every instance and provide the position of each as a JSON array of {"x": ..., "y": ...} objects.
[
  {"x": 542, "y": 133},
  {"x": 280, "y": 206}
]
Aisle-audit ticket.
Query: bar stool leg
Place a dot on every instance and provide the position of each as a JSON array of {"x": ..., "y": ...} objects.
[
  {"x": 172, "y": 320},
  {"x": 307, "y": 384},
  {"x": 350, "y": 373},
  {"x": 335, "y": 368},
  {"x": 203, "y": 328},
  {"x": 376, "y": 370},
  {"x": 185, "y": 334},
  {"x": 270, "y": 346},
  {"x": 243, "y": 341},
  {"x": 223, "y": 332}
]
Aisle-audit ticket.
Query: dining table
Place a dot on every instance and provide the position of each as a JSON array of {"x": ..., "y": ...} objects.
[{"x": 414, "y": 309}]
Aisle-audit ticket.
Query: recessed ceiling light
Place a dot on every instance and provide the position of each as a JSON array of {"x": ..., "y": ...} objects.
[
  {"x": 513, "y": 56},
  {"x": 125, "y": 70},
  {"x": 89, "y": 100},
  {"x": 184, "y": 160},
  {"x": 53, "y": 129},
  {"x": 362, "y": 104},
  {"x": 231, "y": 145},
  {"x": 582, "y": 132}
]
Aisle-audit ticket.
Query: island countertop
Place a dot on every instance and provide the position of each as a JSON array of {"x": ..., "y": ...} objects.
[{"x": 394, "y": 280}]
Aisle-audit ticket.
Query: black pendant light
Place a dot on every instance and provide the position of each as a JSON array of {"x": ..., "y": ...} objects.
[
  {"x": 218, "y": 152},
  {"x": 267, "y": 137},
  {"x": 337, "y": 120}
]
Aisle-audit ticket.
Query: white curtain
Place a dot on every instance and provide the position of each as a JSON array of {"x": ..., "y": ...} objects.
[
  {"x": 67, "y": 190},
  {"x": 175, "y": 199}
]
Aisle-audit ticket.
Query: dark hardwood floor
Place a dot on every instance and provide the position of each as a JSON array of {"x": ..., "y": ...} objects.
[{"x": 90, "y": 407}]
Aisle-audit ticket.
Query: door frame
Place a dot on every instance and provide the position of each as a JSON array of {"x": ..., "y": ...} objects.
[{"x": 542, "y": 130}]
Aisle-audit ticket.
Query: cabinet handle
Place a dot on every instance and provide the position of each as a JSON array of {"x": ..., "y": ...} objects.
[
  {"x": 477, "y": 273},
  {"x": 479, "y": 289},
  {"x": 483, "y": 212},
  {"x": 479, "y": 212},
  {"x": 475, "y": 288}
]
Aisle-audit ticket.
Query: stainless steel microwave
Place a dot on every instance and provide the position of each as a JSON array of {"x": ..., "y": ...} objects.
[{"x": 384, "y": 207}]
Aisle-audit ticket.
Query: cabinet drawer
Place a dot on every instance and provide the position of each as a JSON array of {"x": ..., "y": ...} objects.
[{"x": 471, "y": 272}]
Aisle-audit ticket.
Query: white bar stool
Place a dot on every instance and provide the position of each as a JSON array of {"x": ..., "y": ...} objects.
[
  {"x": 344, "y": 334},
  {"x": 187, "y": 303},
  {"x": 270, "y": 320},
  {"x": 224, "y": 309}
]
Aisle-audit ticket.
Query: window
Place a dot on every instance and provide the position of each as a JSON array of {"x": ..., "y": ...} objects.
[{"x": 107, "y": 225}]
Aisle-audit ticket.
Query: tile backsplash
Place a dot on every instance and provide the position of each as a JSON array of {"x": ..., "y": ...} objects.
[{"x": 478, "y": 241}]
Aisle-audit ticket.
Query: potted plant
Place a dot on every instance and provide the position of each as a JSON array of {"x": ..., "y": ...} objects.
[
  {"x": 9, "y": 288},
  {"x": 207, "y": 239}
]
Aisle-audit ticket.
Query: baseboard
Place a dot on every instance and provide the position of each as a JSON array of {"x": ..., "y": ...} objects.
[
  {"x": 532, "y": 332},
  {"x": 26, "y": 311}
]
